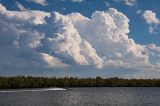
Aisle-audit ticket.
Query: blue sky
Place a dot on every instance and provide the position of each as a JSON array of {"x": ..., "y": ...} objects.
[{"x": 140, "y": 46}]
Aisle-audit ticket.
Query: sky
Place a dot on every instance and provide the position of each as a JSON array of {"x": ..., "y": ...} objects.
[{"x": 80, "y": 38}]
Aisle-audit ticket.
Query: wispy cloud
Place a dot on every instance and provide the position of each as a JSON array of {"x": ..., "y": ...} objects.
[
  {"x": 20, "y": 6},
  {"x": 78, "y": 1},
  {"x": 127, "y": 2},
  {"x": 41, "y": 2}
]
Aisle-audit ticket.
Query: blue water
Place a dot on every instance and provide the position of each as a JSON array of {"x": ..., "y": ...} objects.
[{"x": 109, "y": 96}]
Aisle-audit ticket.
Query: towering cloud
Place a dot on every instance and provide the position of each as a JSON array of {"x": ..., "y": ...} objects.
[
  {"x": 68, "y": 43},
  {"x": 110, "y": 38}
]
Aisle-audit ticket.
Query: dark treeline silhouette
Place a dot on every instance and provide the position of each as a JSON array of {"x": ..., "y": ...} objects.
[{"x": 43, "y": 82}]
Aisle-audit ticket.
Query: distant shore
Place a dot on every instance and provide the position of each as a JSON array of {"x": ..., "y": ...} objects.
[{"x": 65, "y": 82}]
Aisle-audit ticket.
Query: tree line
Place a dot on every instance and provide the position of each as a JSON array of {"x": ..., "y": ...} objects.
[{"x": 44, "y": 82}]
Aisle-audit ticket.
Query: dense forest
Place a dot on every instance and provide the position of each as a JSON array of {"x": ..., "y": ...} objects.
[{"x": 43, "y": 82}]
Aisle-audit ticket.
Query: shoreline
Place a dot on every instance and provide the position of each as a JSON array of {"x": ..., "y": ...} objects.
[{"x": 26, "y": 82}]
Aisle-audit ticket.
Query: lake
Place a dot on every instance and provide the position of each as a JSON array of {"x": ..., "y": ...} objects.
[{"x": 107, "y": 96}]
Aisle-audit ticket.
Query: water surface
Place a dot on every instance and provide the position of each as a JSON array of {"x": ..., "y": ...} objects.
[{"x": 108, "y": 96}]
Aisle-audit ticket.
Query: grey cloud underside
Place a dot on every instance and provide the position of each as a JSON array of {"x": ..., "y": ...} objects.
[{"x": 37, "y": 39}]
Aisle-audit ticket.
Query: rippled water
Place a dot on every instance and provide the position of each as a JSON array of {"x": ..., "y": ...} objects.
[{"x": 84, "y": 97}]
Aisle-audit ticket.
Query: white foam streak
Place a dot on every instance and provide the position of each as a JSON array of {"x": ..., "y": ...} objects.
[{"x": 33, "y": 90}]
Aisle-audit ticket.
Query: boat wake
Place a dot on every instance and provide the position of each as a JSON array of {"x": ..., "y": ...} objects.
[{"x": 34, "y": 90}]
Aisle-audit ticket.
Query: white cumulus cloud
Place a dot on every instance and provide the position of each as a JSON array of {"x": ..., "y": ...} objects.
[
  {"x": 150, "y": 17},
  {"x": 68, "y": 43},
  {"x": 19, "y": 40},
  {"x": 110, "y": 37},
  {"x": 152, "y": 20}
]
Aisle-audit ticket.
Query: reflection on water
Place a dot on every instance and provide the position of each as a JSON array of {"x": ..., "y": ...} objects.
[{"x": 84, "y": 97}]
